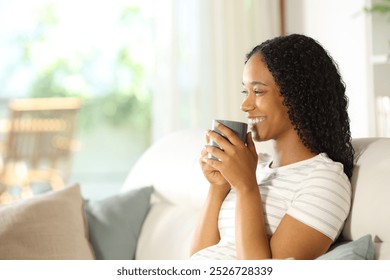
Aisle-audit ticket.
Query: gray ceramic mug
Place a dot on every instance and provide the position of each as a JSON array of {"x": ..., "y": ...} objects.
[{"x": 239, "y": 128}]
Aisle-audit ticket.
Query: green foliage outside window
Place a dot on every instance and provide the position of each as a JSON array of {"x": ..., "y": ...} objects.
[
  {"x": 382, "y": 8},
  {"x": 121, "y": 100}
]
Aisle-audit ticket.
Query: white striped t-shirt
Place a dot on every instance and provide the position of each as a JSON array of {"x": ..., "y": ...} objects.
[{"x": 315, "y": 191}]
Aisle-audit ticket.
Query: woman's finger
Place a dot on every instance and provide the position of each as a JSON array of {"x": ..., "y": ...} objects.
[
  {"x": 207, "y": 135},
  {"x": 250, "y": 143},
  {"x": 218, "y": 139},
  {"x": 229, "y": 134},
  {"x": 214, "y": 151}
]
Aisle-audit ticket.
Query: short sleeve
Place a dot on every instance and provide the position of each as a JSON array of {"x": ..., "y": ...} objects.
[{"x": 324, "y": 200}]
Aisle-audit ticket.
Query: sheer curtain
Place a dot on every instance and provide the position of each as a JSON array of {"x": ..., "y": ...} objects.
[{"x": 200, "y": 50}]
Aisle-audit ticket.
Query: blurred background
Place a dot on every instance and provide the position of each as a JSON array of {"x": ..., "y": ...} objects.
[{"x": 144, "y": 68}]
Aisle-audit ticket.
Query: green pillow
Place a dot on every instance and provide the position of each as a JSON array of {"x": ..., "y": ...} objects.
[
  {"x": 360, "y": 249},
  {"x": 115, "y": 223}
]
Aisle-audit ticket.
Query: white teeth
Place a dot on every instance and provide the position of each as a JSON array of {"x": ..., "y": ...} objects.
[{"x": 256, "y": 120}]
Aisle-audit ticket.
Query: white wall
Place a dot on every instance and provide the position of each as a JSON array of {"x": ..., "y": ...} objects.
[
  {"x": 340, "y": 26},
  {"x": 200, "y": 52}
]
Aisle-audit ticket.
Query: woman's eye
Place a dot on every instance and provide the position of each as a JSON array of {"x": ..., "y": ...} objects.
[{"x": 256, "y": 92}]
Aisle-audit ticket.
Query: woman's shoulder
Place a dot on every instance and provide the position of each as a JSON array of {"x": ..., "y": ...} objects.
[
  {"x": 318, "y": 167},
  {"x": 322, "y": 163},
  {"x": 328, "y": 172}
]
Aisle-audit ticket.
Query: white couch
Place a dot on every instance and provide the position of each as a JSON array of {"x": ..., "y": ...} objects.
[{"x": 171, "y": 166}]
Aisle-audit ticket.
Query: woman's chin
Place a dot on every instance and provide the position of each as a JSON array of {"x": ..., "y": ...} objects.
[{"x": 256, "y": 135}]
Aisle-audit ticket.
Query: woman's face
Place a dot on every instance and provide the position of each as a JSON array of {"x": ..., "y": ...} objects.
[{"x": 267, "y": 116}]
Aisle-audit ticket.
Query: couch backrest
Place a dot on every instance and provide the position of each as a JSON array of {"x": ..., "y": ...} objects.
[{"x": 370, "y": 211}]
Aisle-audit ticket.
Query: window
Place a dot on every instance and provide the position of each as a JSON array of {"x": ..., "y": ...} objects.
[
  {"x": 99, "y": 51},
  {"x": 144, "y": 68}
]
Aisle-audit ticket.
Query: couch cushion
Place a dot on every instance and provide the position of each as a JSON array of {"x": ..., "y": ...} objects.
[
  {"x": 115, "y": 223},
  {"x": 48, "y": 226}
]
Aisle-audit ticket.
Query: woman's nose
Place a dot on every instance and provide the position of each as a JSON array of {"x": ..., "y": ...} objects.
[{"x": 248, "y": 104}]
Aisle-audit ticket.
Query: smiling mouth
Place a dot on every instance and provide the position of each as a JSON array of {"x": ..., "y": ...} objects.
[{"x": 254, "y": 121}]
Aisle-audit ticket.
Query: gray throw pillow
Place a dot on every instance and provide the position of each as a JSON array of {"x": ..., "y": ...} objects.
[
  {"x": 115, "y": 223},
  {"x": 360, "y": 249}
]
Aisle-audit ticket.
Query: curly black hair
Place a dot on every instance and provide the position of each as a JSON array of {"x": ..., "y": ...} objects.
[{"x": 313, "y": 92}]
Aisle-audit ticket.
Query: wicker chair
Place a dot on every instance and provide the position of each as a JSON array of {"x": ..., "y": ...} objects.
[{"x": 39, "y": 143}]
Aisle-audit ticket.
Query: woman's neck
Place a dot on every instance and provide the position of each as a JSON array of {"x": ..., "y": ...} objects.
[{"x": 290, "y": 150}]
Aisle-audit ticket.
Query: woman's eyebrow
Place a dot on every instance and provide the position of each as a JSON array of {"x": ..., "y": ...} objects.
[{"x": 255, "y": 83}]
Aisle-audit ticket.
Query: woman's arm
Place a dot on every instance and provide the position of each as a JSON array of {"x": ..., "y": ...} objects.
[
  {"x": 292, "y": 239},
  {"x": 251, "y": 236},
  {"x": 238, "y": 166},
  {"x": 207, "y": 233}
]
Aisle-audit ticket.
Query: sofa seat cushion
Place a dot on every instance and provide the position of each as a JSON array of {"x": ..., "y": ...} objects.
[{"x": 48, "y": 226}]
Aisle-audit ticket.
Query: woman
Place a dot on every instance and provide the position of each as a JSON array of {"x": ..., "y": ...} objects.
[{"x": 294, "y": 205}]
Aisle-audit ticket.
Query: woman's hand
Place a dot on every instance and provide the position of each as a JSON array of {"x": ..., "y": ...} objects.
[
  {"x": 207, "y": 233},
  {"x": 238, "y": 162},
  {"x": 212, "y": 175}
]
